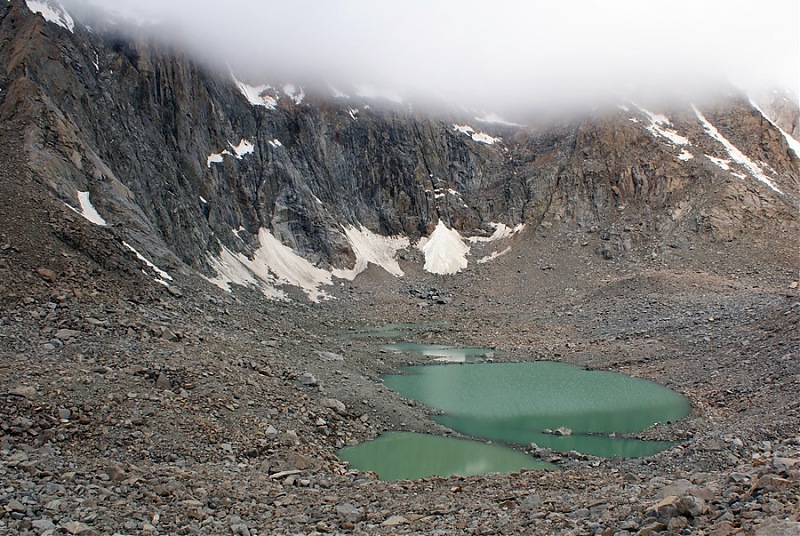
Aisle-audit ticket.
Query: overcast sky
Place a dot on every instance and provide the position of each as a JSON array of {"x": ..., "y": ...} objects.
[{"x": 520, "y": 51}]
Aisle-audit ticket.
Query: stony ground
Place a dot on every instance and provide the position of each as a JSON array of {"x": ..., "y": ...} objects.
[{"x": 129, "y": 408}]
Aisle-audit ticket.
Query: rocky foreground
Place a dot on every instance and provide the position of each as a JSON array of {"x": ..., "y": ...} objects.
[{"x": 129, "y": 407}]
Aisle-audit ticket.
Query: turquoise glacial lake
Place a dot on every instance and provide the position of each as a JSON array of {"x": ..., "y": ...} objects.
[{"x": 518, "y": 403}]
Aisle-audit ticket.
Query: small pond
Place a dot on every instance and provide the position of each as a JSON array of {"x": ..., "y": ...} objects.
[
  {"x": 409, "y": 455},
  {"x": 521, "y": 403},
  {"x": 448, "y": 354}
]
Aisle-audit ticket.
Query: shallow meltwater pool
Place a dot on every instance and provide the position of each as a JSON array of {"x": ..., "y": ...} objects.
[
  {"x": 555, "y": 405},
  {"x": 409, "y": 455}
]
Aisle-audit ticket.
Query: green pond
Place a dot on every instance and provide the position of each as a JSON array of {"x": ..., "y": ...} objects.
[
  {"x": 409, "y": 455},
  {"x": 518, "y": 402},
  {"x": 448, "y": 354}
]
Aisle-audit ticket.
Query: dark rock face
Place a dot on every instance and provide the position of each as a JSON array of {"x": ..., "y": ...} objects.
[{"x": 134, "y": 124}]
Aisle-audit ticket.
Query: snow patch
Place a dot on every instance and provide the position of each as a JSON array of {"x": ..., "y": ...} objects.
[
  {"x": 235, "y": 268},
  {"x": 88, "y": 211},
  {"x": 721, "y": 162},
  {"x": 480, "y": 137},
  {"x": 215, "y": 158},
  {"x": 289, "y": 267},
  {"x": 353, "y": 112},
  {"x": 372, "y": 248},
  {"x": 237, "y": 231},
  {"x": 445, "y": 251},
  {"x": 685, "y": 155},
  {"x": 296, "y": 94},
  {"x": 659, "y": 126},
  {"x": 272, "y": 264},
  {"x": 275, "y": 142},
  {"x": 52, "y": 11},
  {"x": 463, "y": 129},
  {"x": 203, "y": 200},
  {"x": 256, "y": 95},
  {"x": 501, "y": 230},
  {"x": 163, "y": 277},
  {"x": 276, "y": 264},
  {"x": 736, "y": 155},
  {"x": 244, "y": 147},
  {"x": 494, "y": 255}
]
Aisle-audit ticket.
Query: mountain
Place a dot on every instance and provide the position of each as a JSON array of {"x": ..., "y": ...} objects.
[
  {"x": 198, "y": 168},
  {"x": 200, "y": 271}
]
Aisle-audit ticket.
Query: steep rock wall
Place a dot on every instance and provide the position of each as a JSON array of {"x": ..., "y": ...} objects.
[{"x": 153, "y": 136}]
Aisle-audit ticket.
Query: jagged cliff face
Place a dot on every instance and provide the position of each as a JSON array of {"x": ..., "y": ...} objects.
[{"x": 199, "y": 168}]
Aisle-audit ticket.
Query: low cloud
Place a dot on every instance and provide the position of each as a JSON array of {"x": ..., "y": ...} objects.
[{"x": 504, "y": 53}]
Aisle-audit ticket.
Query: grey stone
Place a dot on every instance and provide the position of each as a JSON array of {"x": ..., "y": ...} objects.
[
  {"x": 24, "y": 391},
  {"x": 15, "y": 506},
  {"x": 691, "y": 506},
  {"x": 162, "y": 382},
  {"x": 75, "y": 527},
  {"x": 678, "y": 488},
  {"x": 43, "y": 524},
  {"x": 47, "y": 274},
  {"x": 394, "y": 521},
  {"x": 335, "y": 405},
  {"x": 350, "y": 512},
  {"x": 779, "y": 528},
  {"x": 784, "y": 464},
  {"x": 240, "y": 529},
  {"x": 308, "y": 379},
  {"x": 116, "y": 473},
  {"x": 65, "y": 334}
]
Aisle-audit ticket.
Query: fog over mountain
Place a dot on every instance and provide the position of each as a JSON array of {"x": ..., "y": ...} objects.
[
  {"x": 226, "y": 227},
  {"x": 506, "y": 53}
]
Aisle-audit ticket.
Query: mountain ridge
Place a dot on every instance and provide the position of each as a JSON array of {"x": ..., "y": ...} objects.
[{"x": 153, "y": 136}]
